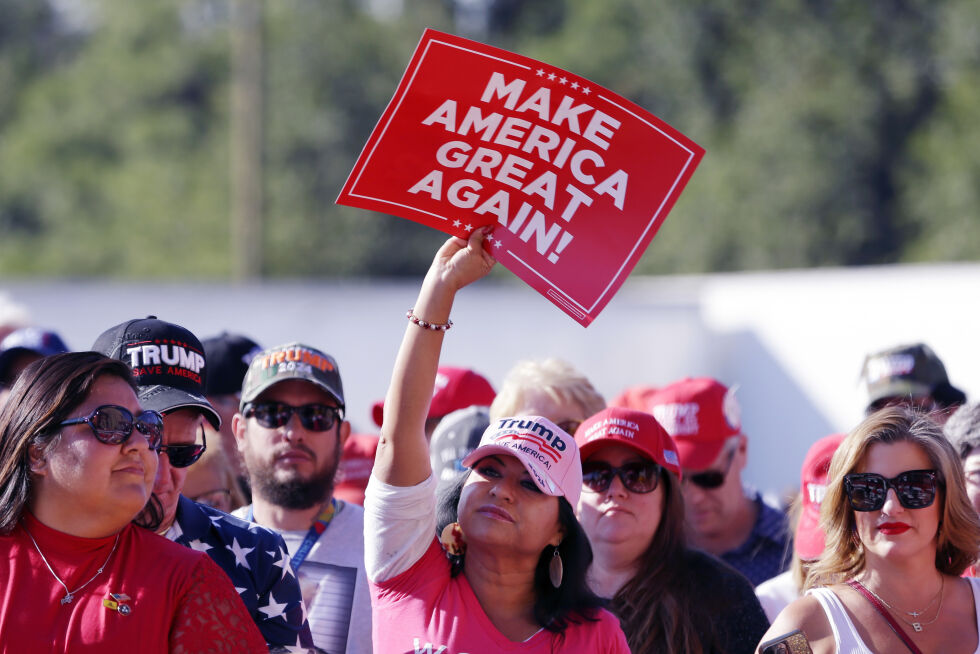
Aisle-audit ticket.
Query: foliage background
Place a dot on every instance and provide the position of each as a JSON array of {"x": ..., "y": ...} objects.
[{"x": 837, "y": 133}]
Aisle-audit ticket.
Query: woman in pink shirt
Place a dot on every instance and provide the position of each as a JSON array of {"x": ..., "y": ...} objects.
[{"x": 517, "y": 580}]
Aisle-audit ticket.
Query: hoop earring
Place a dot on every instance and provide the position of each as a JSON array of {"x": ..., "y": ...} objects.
[{"x": 556, "y": 569}]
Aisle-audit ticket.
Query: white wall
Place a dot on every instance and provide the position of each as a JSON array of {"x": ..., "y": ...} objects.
[{"x": 793, "y": 341}]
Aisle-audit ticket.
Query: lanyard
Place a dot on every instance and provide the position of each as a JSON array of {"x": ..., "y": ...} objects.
[{"x": 319, "y": 526}]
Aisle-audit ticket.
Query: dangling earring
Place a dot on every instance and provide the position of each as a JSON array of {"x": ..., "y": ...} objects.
[
  {"x": 452, "y": 539},
  {"x": 556, "y": 569}
]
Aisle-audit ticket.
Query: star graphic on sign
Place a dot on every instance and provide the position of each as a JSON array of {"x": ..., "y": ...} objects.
[
  {"x": 586, "y": 90},
  {"x": 199, "y": 545},
  {"x": 551, "y": 76},
  {"x": 456, "y": 223},
  {"x": 563, "y": 80},
  {"x": 273, "y": 609},
  {"x": 468, "y": 228},
  {"x": 496, "y": 243},
  {"x": 490, "y": 238},
  {"x": 240, "y": 553},
  {"x": 540, "y": 72},
  {"x": 575, "y": 85}
]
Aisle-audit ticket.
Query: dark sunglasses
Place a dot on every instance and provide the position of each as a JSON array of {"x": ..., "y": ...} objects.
[
  {"x": 184, "y": 454},
  {"x": 711, "y": 479},
  {"x": 314, "y": 417},
  {"x": 113, "y": 425},
  {"x": 637, "y": 476},
  {"x": 916, "y": 489}
]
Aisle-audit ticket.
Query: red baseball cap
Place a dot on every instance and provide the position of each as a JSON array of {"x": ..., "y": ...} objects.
[
  {"x": 455, "y": 388},
  {"x": 354, "y": 469},
  {"x": 635, "y": 397},
  {"x": 809, "y": 539},
  {"x": 636, "y": 429},
  {"x": 700, "y": 415}
]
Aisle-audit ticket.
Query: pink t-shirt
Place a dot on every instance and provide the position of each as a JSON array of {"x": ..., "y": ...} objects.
[{"x": 423, "y": 609}]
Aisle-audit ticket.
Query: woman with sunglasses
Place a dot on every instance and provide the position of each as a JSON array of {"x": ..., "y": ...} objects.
[
  {"x": 900, "y": 530},
  {"x": 516, "y": 581},
  {"x": 77, "y": 463},
  {"x": 669, "y": 598}
]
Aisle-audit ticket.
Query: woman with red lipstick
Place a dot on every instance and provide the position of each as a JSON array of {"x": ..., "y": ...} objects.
[
  {"x": 670, "y": 599},
  {"x": 77, "y": 462},
  {"x": 516, "y": 581},
  {"x": 900, "y": 530}
]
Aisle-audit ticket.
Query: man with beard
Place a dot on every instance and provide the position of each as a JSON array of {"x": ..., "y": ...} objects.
[
  {"x": 170, "y": 371},
  {"x": 290, "y": 430}
]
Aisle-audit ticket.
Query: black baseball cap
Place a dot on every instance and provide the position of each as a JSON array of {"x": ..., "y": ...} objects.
[
  {"x": 228, "y": 356},
  {"x": 168, "y": 364}
]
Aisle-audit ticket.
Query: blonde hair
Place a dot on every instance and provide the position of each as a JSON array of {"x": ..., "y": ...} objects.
[
  {"x": 215, "y": 461},
  {"x": 958, "y": 535},
  {"x": 556, "y": 378}
]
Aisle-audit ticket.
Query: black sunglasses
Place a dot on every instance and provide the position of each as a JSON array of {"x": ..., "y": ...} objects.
[
  {"x": 866, "y": 491},
  {"x": 314, "y": 417},
  {"x": 637, "y": 476},
  {"x": 114, "y": 424},
  {"x": 184, "y": 454},
  {"x": 711, "y": 479}
]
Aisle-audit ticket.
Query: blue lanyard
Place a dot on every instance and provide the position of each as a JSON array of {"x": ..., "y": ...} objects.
[{"x": 312, "y": 536}]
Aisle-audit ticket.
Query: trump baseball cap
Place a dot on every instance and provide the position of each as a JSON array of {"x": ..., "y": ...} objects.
[
  {"x": 808, "y": 541},
  {"x": 908, "y": 371},
  {"x": 700, "y": 415},
  {"x": 167, "y": 361},
  {"x": 454, "y": 389},
  {"x": 292, "y": 361},
  {"x": 638, "y": 430},
  {"x": 549, "y": 454}
]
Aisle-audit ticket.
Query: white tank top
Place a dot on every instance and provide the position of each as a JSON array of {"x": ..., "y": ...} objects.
[{"x": 846, "y": 637}]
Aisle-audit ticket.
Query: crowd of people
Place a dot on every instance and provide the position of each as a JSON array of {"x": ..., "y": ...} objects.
[{"x": 163, "y": 493}]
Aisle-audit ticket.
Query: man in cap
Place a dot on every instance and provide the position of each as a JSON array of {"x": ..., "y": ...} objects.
[
  {"x": 169, "y": 368},
  {"x": 22, "y": 347},
  {"x": 912, "y": 375},
  {"x": 455, "y": 388},
  {"x": 703, "y": 417},
  {"x": 963, "y": 431},
  {"x": 228, "y": 356},
  {"x": 291, "y": 429}
]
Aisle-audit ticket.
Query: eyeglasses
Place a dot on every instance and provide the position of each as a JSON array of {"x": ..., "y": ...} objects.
[
  {"x": 711, "y": 479},
  {"x": 916, "y": 489},
  {"x": 113, "y": 425},
  {"x": 569, "y": 426},
  {"x": 637, "y": 476},
  {"x": 314, "y": 417},
  {"x": 183, "y": 454}
]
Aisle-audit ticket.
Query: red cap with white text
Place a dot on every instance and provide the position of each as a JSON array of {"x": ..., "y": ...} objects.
[
  {"x": 636, "y": 429},
  {"x": 809, "y": 539}
]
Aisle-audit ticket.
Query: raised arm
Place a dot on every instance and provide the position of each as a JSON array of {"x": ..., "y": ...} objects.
[{"x": 403, "y": 453}]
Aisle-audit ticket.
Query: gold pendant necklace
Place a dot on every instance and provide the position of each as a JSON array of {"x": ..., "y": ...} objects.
[{"x": 69, "y": 594}]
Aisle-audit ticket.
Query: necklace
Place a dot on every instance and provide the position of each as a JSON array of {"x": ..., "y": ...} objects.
[
  {"x": 69, "y": 594},
  {"x": 916, "y": 624}
]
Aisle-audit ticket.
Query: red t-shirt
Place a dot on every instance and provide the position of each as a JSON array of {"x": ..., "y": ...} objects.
[
  {"x": 179, "y": 600},
  {"x": 424, "y": 610}
]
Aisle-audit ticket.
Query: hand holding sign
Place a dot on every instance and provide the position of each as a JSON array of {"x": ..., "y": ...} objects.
[{"x": 575, "y": 179}]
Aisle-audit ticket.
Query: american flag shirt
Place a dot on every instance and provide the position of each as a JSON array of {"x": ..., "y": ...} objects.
[{"x": 257, "y": 562}]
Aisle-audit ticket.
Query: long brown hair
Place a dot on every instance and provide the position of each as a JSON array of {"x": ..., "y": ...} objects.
[
  {"x": 45, "y": 394},
  {"x": 958, "y": 538},
  {"x": 656, "y": 608}
]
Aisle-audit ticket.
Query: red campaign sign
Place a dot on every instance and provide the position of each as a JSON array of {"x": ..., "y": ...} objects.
[{"x": 576, "y": 179}]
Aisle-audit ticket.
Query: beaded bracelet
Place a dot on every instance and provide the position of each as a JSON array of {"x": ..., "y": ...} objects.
[{"x": 415, "y": 320}]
